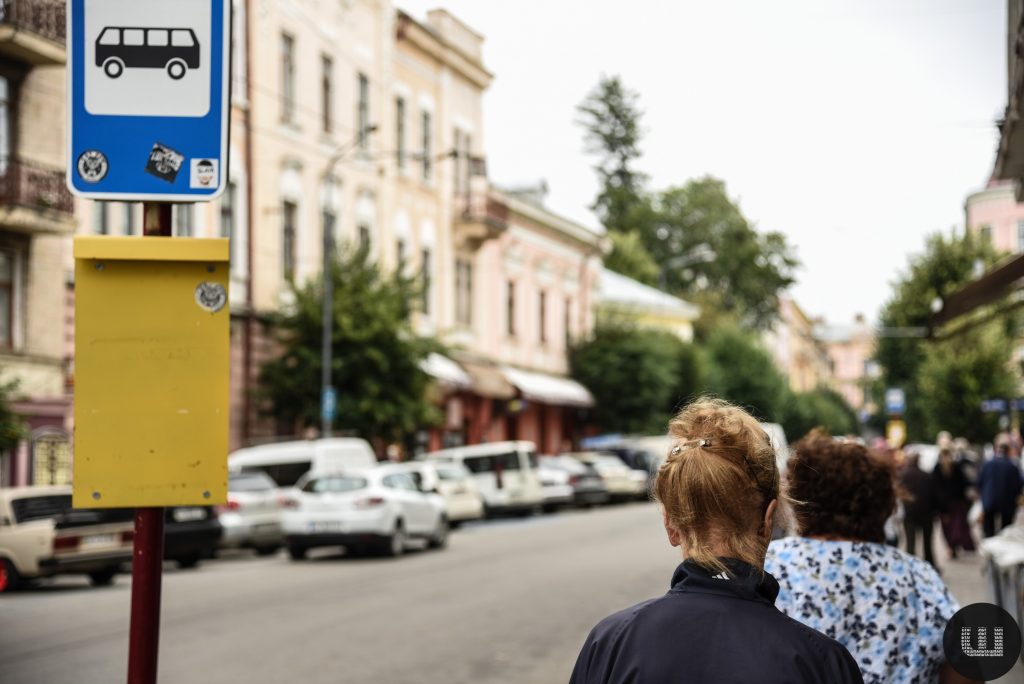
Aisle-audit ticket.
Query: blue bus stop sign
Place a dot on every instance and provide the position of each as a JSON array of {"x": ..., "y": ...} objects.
[{"x": 148, "y": 100}]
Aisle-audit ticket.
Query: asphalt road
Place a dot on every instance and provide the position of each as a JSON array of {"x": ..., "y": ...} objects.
[{"x": 507, "y": 601}]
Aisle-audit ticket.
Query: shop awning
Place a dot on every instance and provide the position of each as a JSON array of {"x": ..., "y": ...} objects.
[
  {"x": 446, "y": 371},
  {"x": 489, "y": 381},
  {"x": 549, "y": 389}
]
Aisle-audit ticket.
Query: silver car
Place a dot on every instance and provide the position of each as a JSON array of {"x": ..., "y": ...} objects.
[{"x": 252, "y": 516}]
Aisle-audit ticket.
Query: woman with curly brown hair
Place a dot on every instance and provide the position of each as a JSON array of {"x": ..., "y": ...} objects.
[
  {"x": 839, "y": 576},
  {"x": 718, "y": 489}
]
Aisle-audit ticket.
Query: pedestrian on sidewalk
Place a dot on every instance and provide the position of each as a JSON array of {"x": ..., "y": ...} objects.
[
  {"x": 839, "y": 576},
  {"x": 951, "y": 485},
  {"x": 1000, "y": 486},
  {"x": 719, "y": 491},
  {"x": 920, "y": 509}
]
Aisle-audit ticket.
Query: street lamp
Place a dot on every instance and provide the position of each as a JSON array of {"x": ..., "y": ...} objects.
[
  {"x": 701, "y": 254},
  {"x": 328, "y": 395}
]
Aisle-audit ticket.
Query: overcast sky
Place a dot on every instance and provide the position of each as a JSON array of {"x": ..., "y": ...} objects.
[{"x": 855, "y": 127}]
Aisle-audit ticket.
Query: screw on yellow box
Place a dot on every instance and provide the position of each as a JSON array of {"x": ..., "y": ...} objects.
[{"x": 151, "y": 371}]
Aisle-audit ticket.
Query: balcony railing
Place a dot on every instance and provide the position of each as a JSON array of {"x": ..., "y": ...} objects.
[
  {"x": 45, "y": 18},
  {"x": 33, "y": 186}
]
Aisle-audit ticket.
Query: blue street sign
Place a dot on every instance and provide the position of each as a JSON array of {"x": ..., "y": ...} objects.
[
  {"x": 994, "y": 405},
  {"x": 148, "y": 100},
  {"x": 329, "y": 404},
  {"x": 895, "y": 401}
]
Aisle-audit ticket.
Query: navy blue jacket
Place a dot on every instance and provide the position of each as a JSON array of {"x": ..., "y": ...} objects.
[
  {"x": 710, "y": 629},
  {"x": 1000, "y": 484}
]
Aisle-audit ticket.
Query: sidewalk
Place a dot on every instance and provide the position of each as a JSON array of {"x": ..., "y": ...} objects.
[{"x": 969, "y": 585}]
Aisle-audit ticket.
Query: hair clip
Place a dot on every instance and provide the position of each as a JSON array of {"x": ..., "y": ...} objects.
[{"x": 700, "y": 443}]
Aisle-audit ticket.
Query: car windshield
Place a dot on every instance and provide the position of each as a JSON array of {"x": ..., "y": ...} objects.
[
  {"x": 250, "y": 482},
  {"x": 451, "y": 472},
  {"x": 488, "y": 464},
  {"x": 284, "y": 474},
  {"x": 40, "y": 507},
  {"x": 335, "y": 484}
]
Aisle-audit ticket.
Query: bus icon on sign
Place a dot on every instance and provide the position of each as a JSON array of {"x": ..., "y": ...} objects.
[{"x": 120, "y": 47}]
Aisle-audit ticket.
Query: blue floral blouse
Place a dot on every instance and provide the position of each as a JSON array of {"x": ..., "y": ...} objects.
[{"x": 888, "y": 608}]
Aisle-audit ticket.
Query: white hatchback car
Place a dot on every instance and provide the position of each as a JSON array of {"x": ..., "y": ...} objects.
[
  {"x": 374, "y": 509},
  {"x": 252, "y": 516}
]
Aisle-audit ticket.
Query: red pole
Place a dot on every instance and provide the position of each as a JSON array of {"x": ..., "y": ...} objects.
[{"x": 148, "y": 553}]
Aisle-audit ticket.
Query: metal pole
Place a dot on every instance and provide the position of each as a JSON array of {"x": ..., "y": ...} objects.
[
  {"x": 148, "y": 552},
  {"x": 328, "y": 323}
]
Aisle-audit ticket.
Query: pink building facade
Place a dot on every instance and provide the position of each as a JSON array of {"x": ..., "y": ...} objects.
[{"x": 995, "y": 214}]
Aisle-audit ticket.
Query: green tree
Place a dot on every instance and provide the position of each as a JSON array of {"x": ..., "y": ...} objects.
[
  {"x": 947, "y": 263},
  {"x": 382, "y": 391},
  {"x": 610, "y": 116},
  {"x": 957, "y": 374},
  {"x": 742, "y": 271},
  {"x": 632, "y": 373},
  {"x": 742, "y": 371},
  {"x": 822, "y": 407},
  {"x": 12, "y": 427},
  {"x": 630, "y": 258}
]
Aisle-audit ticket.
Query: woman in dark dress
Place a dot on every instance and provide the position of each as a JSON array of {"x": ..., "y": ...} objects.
[{"x": 951, "y": 484}]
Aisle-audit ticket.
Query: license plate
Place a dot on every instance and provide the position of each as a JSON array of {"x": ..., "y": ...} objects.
[
  {"x": 95, "y": 540},
  {"x": 265, "y": 528},
  {"x": 189, "y": 514},
  {"x": 325, "y": 526}
]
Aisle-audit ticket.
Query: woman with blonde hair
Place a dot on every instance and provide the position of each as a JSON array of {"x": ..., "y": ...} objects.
[{"x": 719, "y": 490}]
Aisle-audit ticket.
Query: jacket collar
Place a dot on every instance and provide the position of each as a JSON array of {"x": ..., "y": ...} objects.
[{"x": 745, "y": 581}]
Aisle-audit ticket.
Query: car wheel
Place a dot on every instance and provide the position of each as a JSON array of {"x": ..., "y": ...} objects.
[
  {"x": 102, "y": 578},
  {"x": 176, "y": 69},
  {"x": 9, "y": 578},
  {"x": 113, "y": 67},
  {"x": 188, "y": 562},
  {"x": 440, "y": 536},
  {"x": 267, "y": 550},
  {"x": 296, "y": 552},
  {"x": 394, "y": 546}
]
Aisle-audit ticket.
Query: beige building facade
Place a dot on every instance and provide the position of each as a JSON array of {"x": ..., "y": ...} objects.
[
  {"x": 799, "y": 354},
  {"x": 36, "y": 217}
]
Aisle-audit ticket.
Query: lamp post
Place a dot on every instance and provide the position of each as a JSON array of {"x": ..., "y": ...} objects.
[
  {"x": 701, "y": 254},
  {"x": 328, "y": 395}
]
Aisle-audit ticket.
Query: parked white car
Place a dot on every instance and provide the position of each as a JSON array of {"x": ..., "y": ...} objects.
[
  {"x": 41, "y": 536},
  {"x": 555, "y": 482},
  {"x": 462, "y": 499},
  {"x": 376, "y": 509},
  {"x": 286, "y": 462},
  {"x": 252, "y": 516},
  {"x": 505, "y": 472},
  {"x": 622, "y": 482}
]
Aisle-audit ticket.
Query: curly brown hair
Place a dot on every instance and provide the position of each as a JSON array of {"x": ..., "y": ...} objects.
[
  {"x": 840, "y": 489},
  {"x": 717, "y": 481}
]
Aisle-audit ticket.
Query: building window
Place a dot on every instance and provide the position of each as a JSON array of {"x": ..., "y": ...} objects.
[
  {"x": 425, "y": 272},
  {"x": 290, "y": 213},
  {"x": 287, "y": 78},
  {"x": 428, "y": 166},
  {"x": 184, "y": 220},
  {"x": 328, "y": 219},
  {"x": 986, "y": 233},
  {"x": 400, "y": 255},
  {"x": 6, "y": 123},
  {"x": 542, "y": 317},
  {"x": 227, "y": 222},
  {"x": 510, "y": 310},
  {"x": 364, "y": 237},
  {"x": 400, "y": 132},
  {"x": 101, "y": 218},
  {"x": 1020, "y": 236},
  {"x": 129, "y": 218},
  {"x": 327, "y": 92},
  {"x": 464, "y": 292},
  {"x": 363, "y": 112},
  {"x": 6, "y": 299},
  {"x": 568, "y": 322}
]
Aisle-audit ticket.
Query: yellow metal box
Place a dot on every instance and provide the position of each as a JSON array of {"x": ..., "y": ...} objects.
[{"x": 151, "y": 371}]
